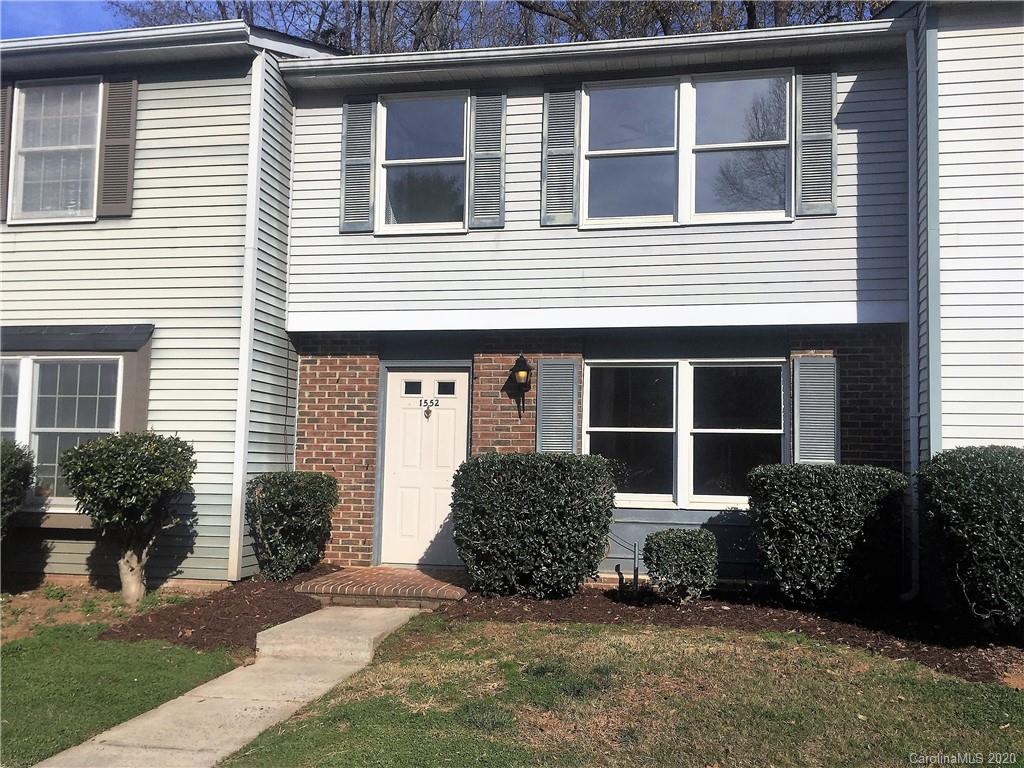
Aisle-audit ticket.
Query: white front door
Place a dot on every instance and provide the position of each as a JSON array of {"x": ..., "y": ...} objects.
[{"x": 425, "y": 441}]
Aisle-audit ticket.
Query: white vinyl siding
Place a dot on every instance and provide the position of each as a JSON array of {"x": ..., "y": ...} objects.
[
  {"x": 476, "y": 279},
  {"x": 176, "y": 263},
  {"x": 981, "y": 224}
]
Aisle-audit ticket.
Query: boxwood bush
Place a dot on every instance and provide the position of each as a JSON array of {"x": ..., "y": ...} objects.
[
  {"x": 17, "y": 470},
  {"x": 812, "y": 523},
  {"x": 682, "y": 563},
  {"x": 289, "y": 515},
  {"x": 975, "y": 500},
  {"x": 532, "y": 523}
]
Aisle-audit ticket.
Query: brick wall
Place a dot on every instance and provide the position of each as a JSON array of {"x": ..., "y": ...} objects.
[
  {"x": 337, "y": 433},
  {"x": 497, "y": 424}
]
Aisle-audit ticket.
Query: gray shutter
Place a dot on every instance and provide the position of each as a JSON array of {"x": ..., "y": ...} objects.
[
  {"x": 6, "y": 107},
  {"x": 487, "y": 162},
  {"x": 815, "y": 410},
  {"x": 117, "y": 148},
  {"x": 358, "y": 122},
  {"x": 559, "y": 196},
  {"x": 815, "y": 144},
  {"x": 556, "y": 405}
]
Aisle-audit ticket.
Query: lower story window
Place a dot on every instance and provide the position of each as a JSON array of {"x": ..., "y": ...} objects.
[
  {"x": 73, "y": 401},
  {"x": 729, "y": 412}
]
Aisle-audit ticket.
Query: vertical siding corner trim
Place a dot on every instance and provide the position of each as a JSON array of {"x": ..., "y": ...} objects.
[
  {"x": 932, "y": 143},
  {"x": 245, "y": 341}
]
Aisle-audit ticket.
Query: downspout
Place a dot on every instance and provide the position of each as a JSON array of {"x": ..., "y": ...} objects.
[
  {"x": 248, "y": 319},
  {"x": 912, "y": 530}
]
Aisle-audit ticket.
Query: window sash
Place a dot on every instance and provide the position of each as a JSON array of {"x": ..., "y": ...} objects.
[
  {"x": 686, "y": 150},
  {"x": 381, "y": 223},
  {"x": 20, "y": 153}
]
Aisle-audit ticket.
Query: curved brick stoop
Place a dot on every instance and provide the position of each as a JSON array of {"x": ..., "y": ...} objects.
[{"x": 387, "y": 587}]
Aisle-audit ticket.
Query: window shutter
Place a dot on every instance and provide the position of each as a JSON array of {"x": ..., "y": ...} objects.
[
  {"x": 556, "y": 405},
  {"x": 6, "y": 107},
  {"x": 816, "y": 410},
  {"x": 358, "y": 122},
  {"x": 815, "y": 144},
  {"x": 560, "y": 164},
  {"x": 487, "y": 162},
  {"x": 117, "y": 148}
]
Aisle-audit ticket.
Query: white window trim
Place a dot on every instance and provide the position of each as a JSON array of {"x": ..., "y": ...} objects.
[
  {"x": 24, "y": 430},
  {"x": 686, "y": 152},
  {"x": 682, "y": 496},
  {"x": 381, "y": 227},
  {"x": 13, "y": 193}
]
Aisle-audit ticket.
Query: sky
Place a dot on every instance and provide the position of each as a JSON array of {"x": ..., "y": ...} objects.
[{"x": 28, "y": 18}]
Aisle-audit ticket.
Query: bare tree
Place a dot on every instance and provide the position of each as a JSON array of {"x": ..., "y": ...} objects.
[{"x": 382, "y": 26}]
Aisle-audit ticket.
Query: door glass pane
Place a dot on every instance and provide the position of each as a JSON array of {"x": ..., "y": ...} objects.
[
  {"x": 431, "y": 127},
  {"x": 413, "y": 387},
  {"x": 637, "y": 185},
  {"x": 422, "y": 194},
  {"x": 446, "y": 387},
  {"x": 721, "y": 462},
  {"x": 643, "y": 461},
  {"x": 737, "y": 397},
  {"x": 633, "y": 118},
  {"x": 741, "y": 180},
  {"x": 735, "y": 111},
  {"x": 632, "y": 397}
]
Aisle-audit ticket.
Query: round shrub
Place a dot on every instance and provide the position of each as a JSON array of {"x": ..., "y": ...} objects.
[
  {"x": 682, "y": 563},
  {"x": 811, "y": 522},
  {"x": 128, "y": 484},
  {"x": 17, "y": 471},
  {"x": 289, "y": 515},
  {"x": 532, "y": 523},
  {"x": 975, "y": 498}
]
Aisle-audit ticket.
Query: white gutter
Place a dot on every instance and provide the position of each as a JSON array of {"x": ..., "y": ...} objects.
[
  {"x": 233, "y": 30},
  {"x": 443, "y": 60},
  {"x": 245, "y": 341}
]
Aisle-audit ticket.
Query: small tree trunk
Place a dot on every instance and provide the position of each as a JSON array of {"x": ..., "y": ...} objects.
[{"x": 132, "y": 568}]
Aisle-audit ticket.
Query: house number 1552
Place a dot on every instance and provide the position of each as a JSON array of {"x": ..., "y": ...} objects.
[{"x": 432, "y": 403}]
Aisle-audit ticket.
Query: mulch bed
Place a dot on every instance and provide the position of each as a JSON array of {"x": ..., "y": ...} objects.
[
  {"x": 895, "y": 636},
  {"x": 228, "y": 618}
]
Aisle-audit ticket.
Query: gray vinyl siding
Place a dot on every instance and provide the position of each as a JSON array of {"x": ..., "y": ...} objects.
[
  {"x": 858, "y": 255},
  {"x": 176, "y": 263},
  {"x": 271, "y": 432},
  {"x": 981, "y": 223}
]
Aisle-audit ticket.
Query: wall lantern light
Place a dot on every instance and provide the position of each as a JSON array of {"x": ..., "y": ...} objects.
[{"x": 522, "y": 374}]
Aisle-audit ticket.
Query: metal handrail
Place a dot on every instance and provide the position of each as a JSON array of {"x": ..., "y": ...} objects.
[{"x": 635, "y": 546}]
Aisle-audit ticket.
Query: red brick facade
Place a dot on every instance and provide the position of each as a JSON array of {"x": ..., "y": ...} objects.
[{"x": 339, "y": 407}]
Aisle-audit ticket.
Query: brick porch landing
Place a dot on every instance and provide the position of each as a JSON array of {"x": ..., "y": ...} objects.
[{"x": 387, "y": 587}]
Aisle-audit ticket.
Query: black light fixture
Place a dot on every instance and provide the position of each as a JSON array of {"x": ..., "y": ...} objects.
[{"x": 522, "y": 374}]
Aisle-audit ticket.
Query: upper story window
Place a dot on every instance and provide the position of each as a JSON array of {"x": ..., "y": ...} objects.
[
  {"x": 423, "y": 163},
  {"x": 699, "y": 149},
  {"x": 55, "y": 151}
]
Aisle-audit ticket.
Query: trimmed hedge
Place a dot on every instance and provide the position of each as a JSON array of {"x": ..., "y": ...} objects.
[
  {"x": 975, "y": 498},
  {"x": 289, "y": 516},
  {"x": 17, "y": 471},
  {"x": 682, "y": 563},
  {"x": 532, "y": 523},
  {"x": 811, "y": 522}
]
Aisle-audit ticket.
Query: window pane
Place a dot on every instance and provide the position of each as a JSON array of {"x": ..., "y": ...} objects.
[
  {"x": 50, "y": 446},
  {"x": 60, "y": 115},
  {"x": 742, "y": 180},
  {"x": 423, "y": 194},
  {"x": 425, "y": 128},
  {"x": 750, "y": 109},
  {"x": 737, "y": 397},
  {"x": 9, "y": 371},
  {"x": 631, "y": 397},
  {"x": 644, "y": 459},
  {"x": 639, "y": 185},
  {"x": 721, "y": 462},
  {"x": 58, "y": 182},
  {"x": 633, "y": 118}
]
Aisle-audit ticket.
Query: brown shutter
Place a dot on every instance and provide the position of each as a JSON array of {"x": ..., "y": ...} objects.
[
  {"x": 6, "y": 107},
  {"x": 117, "y": 148}
]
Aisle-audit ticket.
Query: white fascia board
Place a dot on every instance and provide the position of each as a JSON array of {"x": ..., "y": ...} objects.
[
  {"x": 295, "y": 71},
  {"x": 233, "y": 30},
  {"x": 806, "y": 313}
]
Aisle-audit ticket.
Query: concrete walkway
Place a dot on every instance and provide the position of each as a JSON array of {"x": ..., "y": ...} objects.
[{"x": 296, "y": 662}]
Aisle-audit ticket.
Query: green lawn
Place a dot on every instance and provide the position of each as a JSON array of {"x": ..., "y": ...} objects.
[
  {"x": 495, "y": 694},
  {"x": 62, "y": 685}
]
